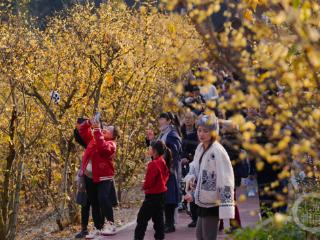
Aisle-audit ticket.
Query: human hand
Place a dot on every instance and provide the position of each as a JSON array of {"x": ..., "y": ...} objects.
[
  {"x": 95, "y": 124},
  {"x": 188, "y": 197},
  {"x": 193, "y": 184},
  {"x": 95, "y": 121}
]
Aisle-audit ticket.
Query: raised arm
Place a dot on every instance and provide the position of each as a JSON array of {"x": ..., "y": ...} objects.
[
  {"x": 105, "y": 147},
  {"x": 85, "y": 131}
]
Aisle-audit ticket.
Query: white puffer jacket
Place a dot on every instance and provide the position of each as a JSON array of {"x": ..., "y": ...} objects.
[{"x": 214, "y": 179}]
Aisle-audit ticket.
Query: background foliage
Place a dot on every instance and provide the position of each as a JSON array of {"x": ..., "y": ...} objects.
[
  {"x": 112, "y": 59},
  {"x": 124, "y": 62}
]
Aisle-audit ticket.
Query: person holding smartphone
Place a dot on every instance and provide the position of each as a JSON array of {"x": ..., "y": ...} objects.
[
  {"x": 82, "y": 198},
  {"x": 98, "y": 170}
]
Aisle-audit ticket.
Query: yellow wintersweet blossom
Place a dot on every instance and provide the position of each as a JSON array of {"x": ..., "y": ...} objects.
[
  {"x": 279, "y": 219},
  {"x": 248, "y": 15}
]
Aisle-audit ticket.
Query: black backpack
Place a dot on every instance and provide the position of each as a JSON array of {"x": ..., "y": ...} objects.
[{"x": 242, "y": 168}]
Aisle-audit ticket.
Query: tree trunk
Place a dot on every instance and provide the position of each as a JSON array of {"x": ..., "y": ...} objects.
[
  {"x": 4, "y": 200},
  {"x": 119, "y": 191},
  {"x": 62, "y": 217},
  {"x": 16, "y": 205},
  {"x": 97, "y": 94}
]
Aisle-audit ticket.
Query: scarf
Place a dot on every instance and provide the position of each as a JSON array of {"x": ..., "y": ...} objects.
[{"x": 164, "y": 133}]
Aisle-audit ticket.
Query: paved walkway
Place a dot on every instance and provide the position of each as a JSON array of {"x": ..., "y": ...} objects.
[{"x": 248, "y": 213}]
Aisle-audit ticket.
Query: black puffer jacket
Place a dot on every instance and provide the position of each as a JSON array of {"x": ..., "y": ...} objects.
[{"x": 231, "y": 142}]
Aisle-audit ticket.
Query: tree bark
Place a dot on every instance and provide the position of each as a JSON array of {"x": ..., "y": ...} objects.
[
  {"x": 4, "y": 219},
  {"x": 16, "y": 204}
]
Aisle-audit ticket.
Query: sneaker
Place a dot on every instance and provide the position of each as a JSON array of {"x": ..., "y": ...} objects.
[
  {"x": 193, "y": 224},
  {"x": 231, "y": 230},
  {"x": 94, "y": 233},
  {"x": 251, "y": 193},
  {"x": 82, "y": 234},
  {"x": 181, "y": 207},
  {"x": 109, "y": 229}
]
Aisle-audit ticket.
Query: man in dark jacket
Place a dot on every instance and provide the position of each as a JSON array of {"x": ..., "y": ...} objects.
[
  {"x": 231, "y": 142},
  {"x": 189, "y": 145},
  {"x": 268, "y": 175},
  {"x": 189, "y": 141},
  {"x": 193, "y": 100}
]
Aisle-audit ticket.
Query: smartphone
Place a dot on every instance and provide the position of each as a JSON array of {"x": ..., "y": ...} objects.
[{"x": 96, "y": 118}]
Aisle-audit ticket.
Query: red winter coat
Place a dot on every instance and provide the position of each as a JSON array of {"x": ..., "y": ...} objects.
[
  {"x": 100, "y": 151},
  {"x": 156, "y": 177}
]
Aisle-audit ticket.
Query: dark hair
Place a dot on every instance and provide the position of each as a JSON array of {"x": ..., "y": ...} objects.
[
  {"x": 165, "y": 116},
  {"x": 78, "y": 138},
  {"x": 191, "y": 88},
  {"x": 174, "y": 120},
  {"x": 168, "y": 158},
  {"x": 162, "y": 150},
  {"x": 116, "y": 132}
]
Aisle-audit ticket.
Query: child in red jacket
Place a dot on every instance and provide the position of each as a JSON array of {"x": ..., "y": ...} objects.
[
  {"x": 154, "y": 187},
  {"x": 98, "y": 169}
]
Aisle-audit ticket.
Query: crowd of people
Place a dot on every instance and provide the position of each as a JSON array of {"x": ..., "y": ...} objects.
[{"x": 195, "y": 166}]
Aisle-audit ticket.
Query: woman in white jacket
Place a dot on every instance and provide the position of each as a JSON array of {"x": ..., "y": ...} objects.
[{"x": 210, "y": 181}]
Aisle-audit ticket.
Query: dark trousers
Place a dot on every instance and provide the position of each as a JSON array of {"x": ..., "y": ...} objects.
[
  {"x": 169, "y": 213},
  {"x": 152, "y": 208},
  {"x": 194, "y": 211},
  {"x": 98, "y": 194},
  {"x": 85, "y": 213}
]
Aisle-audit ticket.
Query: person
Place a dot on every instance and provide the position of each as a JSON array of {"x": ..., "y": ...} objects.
[
  {"x": 85, "y": 207},
  {"x": 155, "y": 188},
  {"x": 209, "y": 93},
  {"x": 212, "y": 179},
  {"x": 193, "y": 99},
  {"x": 207, "y": 90},
  {"x": 231, "y": 142},
  {"x": 189, "y": 145},
  {"x": 189, "y": 141},
  {"x": 98, "y": 170},
  {"x": 250, "y": 182},
  {"x": 170, "y": 136},
  {"x": 268, "y": 175}
]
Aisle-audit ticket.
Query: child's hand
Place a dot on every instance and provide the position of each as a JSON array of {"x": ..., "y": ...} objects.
[{"x": 95, "y": 124}]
